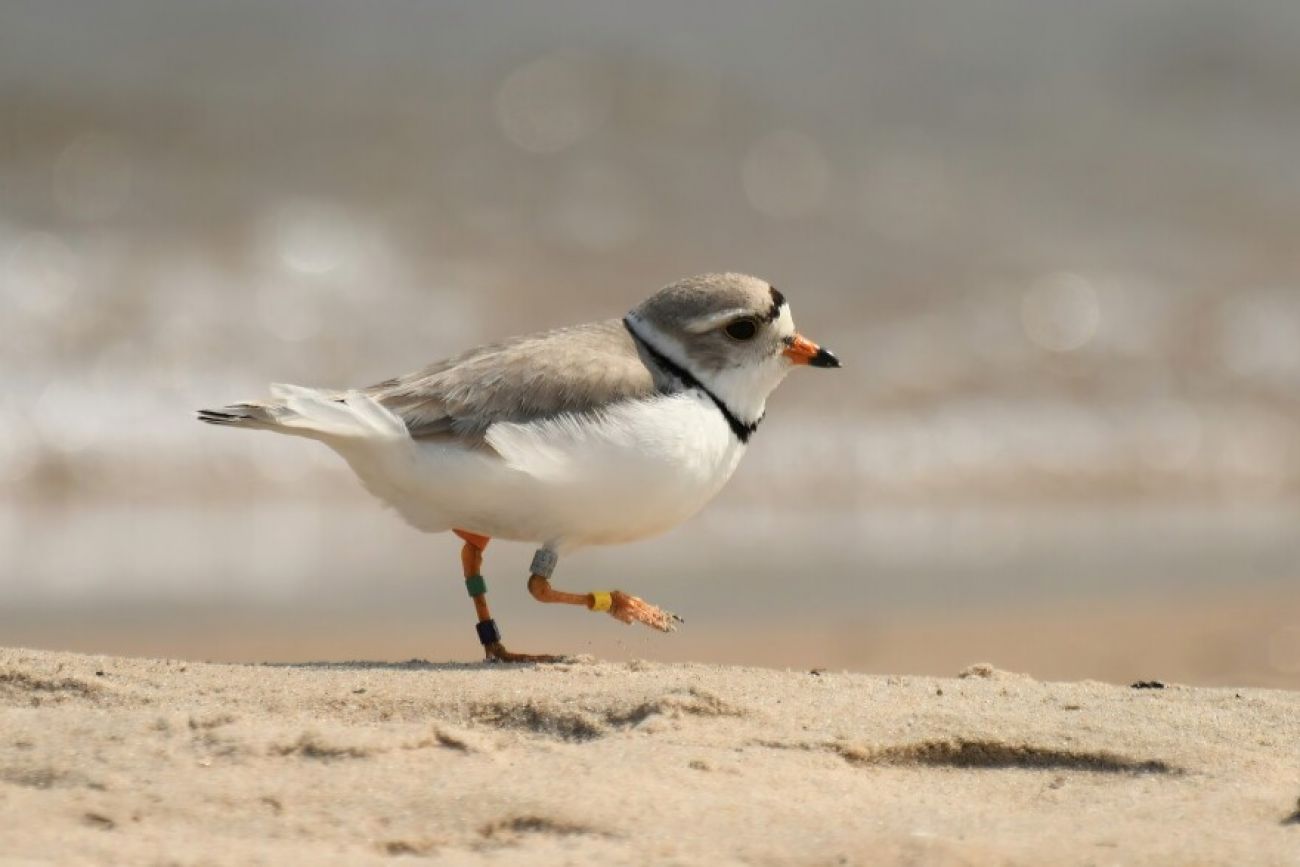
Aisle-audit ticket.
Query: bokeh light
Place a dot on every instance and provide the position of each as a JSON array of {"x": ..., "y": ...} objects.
[
  {"x": 313, "y": 238},
  {"x": 1261, "y": 335},
  {"x": 1060, "y": 312},
  {"x": 553, "y": 103}
]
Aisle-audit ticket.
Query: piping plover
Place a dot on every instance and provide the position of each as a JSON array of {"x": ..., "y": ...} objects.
[{"x": 590, "y": 435}]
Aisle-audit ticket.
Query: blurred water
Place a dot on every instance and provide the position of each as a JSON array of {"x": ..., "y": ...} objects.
[{"x": 734, "y": 563}]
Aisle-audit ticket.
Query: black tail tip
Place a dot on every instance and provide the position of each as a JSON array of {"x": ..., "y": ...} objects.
[{"x": 216, "y": 416}]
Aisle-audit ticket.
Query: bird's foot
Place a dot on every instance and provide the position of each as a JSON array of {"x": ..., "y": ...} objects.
[
  {"x": 633, "y": 609},
  {"x": 496, "y": 652}
]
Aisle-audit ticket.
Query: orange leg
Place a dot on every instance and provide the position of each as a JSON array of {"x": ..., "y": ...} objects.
[
  {"x": 471, "y": 559},
  {"x": 620, "y": 605}
]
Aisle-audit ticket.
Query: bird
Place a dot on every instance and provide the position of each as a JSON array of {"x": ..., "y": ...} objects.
[{"x": 594, "y": 434}]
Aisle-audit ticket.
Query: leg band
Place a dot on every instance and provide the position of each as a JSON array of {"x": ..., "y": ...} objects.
[
  {"x": 487, "y": 632},
  {"x": 544, "y": 562},
  {"x": 476, "y": 585},
  {"x": 601, "y": 601}
]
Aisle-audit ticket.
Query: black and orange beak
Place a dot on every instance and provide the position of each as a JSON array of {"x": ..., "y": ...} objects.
[{"x": 801, "y": 350}]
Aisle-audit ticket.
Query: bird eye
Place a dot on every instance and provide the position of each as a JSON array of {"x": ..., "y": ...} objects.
[{"x": 742, "y": 329}]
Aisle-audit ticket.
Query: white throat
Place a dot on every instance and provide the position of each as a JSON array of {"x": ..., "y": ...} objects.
[{"x": 744, "y": 388}]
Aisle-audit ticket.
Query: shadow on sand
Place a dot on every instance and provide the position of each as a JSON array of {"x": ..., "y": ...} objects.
[{"x": 408, "y": 665}]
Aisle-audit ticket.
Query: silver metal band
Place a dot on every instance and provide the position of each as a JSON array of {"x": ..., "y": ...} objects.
[{"x": 544, "y": 562}]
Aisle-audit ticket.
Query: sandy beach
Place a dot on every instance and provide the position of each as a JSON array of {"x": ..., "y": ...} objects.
[{"x": 118, "y": 760}]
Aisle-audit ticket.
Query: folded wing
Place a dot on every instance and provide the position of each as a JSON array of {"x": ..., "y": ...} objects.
[{"x": 572, "y": 370}]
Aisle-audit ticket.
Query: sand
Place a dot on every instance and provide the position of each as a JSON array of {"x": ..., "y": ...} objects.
[{"x": 142, "y": 761}]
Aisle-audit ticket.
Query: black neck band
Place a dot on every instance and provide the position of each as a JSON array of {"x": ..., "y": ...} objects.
[{"x": 742, "y": 430}]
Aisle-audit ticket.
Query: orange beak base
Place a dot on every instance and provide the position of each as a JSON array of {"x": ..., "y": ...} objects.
[{"x": 801, "y": 350}]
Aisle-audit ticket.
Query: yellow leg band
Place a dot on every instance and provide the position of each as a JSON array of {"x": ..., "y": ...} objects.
[{"x": 601, "y": 601}]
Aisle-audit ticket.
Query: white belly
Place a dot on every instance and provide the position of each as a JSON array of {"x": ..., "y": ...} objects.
[{"x": 637, "y": 470}]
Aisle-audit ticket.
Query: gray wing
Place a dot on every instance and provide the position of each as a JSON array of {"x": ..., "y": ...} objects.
[{"x": 570, "y": 370}]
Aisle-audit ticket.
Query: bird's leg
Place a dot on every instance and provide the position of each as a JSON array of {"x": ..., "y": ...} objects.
[
  {"x": 620, "y": 605},
  {"x": 471, "y": 558}
]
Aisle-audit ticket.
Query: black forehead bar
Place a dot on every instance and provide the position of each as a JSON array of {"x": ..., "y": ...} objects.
[{"x": 778, "y": 301}]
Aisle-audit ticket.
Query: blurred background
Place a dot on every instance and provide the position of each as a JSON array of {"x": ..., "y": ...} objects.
[{"x": 1057, "y": 246}]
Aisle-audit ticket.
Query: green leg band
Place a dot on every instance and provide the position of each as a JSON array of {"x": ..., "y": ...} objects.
[{"x": 476, "y": 585}]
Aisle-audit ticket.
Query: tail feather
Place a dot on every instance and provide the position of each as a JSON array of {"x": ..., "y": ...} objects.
[
  {"x": 311, "y": 413},
  {"x": 250, "y": 415}
]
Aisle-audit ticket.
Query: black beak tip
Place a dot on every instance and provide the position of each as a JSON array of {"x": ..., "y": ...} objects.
[{"x": 823, "y": 358}]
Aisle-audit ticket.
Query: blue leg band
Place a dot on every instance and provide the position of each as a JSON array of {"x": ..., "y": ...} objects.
[{"x": 488, "y": 632}]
